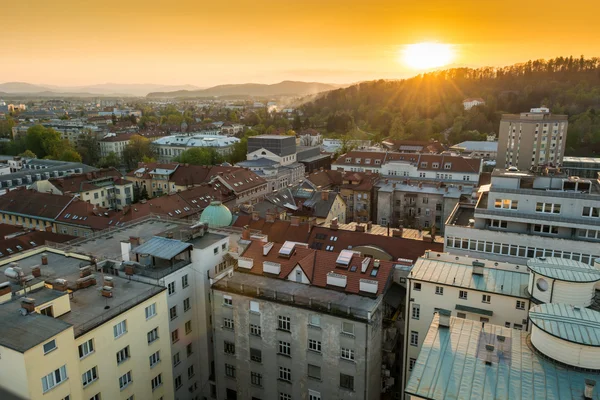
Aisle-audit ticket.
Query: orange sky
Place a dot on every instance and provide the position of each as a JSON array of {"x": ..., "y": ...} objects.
[{"x": 74, "y": 42}]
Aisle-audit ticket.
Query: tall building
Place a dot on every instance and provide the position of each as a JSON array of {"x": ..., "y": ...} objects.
[
  {"x": 532, "y": 138},
  {"x": 294, "y": 322},
  {"x": 525, "y": 215}
]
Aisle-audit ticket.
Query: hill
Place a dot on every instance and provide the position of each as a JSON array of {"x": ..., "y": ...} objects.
[
  {"x": 285, "y": 88},
  {"x": 430, "y": 105},
  {"x": 103, "y": 89}
]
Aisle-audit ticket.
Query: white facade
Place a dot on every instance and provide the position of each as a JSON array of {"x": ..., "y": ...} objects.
[
  {"x": 169, "y": 147},
  {"x": 470, "y": 103}
]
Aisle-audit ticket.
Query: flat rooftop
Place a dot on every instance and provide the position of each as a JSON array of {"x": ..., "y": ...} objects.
[
  {"x": 380, "y": 230},
  {"x": 452, "y": 365},
  {"x": 297, "y": 294}
]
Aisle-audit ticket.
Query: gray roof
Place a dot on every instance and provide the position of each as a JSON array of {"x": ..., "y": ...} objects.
[
  {"x": 163, "y": 248},
  {"x": 259, "y": 162},
  {"x": 23, "y": 332},
  {"x": 473, "y": 145},
  {"x": 563, "y": 269},
  {"x": 451, "y": 365},
  {"x": 493, "y": 280},
  {"x": 575, "y": 324}
]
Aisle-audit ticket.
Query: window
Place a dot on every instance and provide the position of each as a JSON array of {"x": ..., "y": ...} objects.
[
  {"x": 176, "y": 359},
  {"x": 486, "y": 298},
  {"x": 151, "y": 311},
  {"x": 462, "y": 294},
  {"x": 593, "y": 212},
  {"x": 520, "y": 305},
  {"x": 173, "y": 312},
  {"x": 191, "y": 372},
  {"x": 120, "y": 329},
  {"x": 154, "y": 359},
  {"x": 347, "y": 354},
  {"x": 178, "y": 382},
  {"x": 228, "y": 323},
  {"x": 285, "y": 348},
  {"x": 312, "y": 395},
  {"x": 125, "y": 380},
  {"x": 255, "y": 307},
  {"x": 229, "y": 347},
  {"x": 184, "y": 281},
  {"x": 255, "y": 355},
  {"x": 506, "y": 204},
  {"x": 347, "y": 381},
  {"x": 285, "y": 374},
  {"x": 484, "y": 319},
  {"x": 123, "y": 355},
  {"x": 414, "y": 338},
  {"x": 89, "y": 376},
  {"x": 284, "y": 323},
  {"x": 545, "y": 229},
  {"x": 439, "y": 290},
  {"x": 230, "y": 370},
  {"x": 51, "y": 345},
  {"x": 416, "y": 311},
  {"x": 186, "y": 304},
  {"x": 156, "y": 381},
  {"x": 255, "y": 330},
  {"x": 54, "y": 378},
  {"x": 216, "y": 250},
  {"x": 461, "y": 315},
  {"x": 188, "y": 327},
  {"x": 171, "y": 288},
  {"x": 314, "y": 345},
  {"x": 547, "y": 208},
  {"x": 189, "y": 349},
  {"x": 152, "y": 335},
  {"x": 224, "y": 246},
  {"x": 496, "y": 223},
  {"x": 417, "y": 286},
  {"x": 411, "y": 363},
  {"x": 314, "y": 320},
  {"x": 86, "y": 348},
  {"x": 97, "y": 397},
  {"x": 518, "y": 327},
  {"x": 227, "y": 301},
  {"x": 314, "y": 371},
  {"x": 256, "y": 378},
  {"x": 175, "y": 336},
  {"x": 285, "y": 396}
]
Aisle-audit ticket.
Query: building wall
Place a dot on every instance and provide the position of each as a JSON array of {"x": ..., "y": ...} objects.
[
  {"x": 29, "y": 222},
  {"x": 13, "y": 373},
  {"x": 73, "y": 230}
]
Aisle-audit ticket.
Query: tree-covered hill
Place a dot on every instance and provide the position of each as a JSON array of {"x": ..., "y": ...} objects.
[{"x": 430, "y": 105}]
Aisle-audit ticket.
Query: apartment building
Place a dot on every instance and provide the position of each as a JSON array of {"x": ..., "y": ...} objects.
[
  {"x": 479, "y": 290},
  {"x": 532, "y": 138},
  {"x": 293, "y": 322},
  {"x": 169, "y": 147},
  {"x": 525, "y": 215},
  {"x": 69, "y": 332}
]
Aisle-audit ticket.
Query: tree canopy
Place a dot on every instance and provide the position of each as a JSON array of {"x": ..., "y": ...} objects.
[
  {"x": 139, "y": 149},
  {"x": 200, "y": 156}
]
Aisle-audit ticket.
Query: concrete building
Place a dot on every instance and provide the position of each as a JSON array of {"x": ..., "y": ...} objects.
[
  {"x": 487, "y": 150},
  {"x": 522, "y": 215},
  {"x": 169, "y": 147},
  {"x": 68, "y": 332},
  {"x": 583, "y": 167},
  {"x": 293, "y": 322},
  {"x": 530, "y": 139}
]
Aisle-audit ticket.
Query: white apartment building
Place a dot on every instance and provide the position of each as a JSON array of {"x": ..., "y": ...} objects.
[
  {"x": 481, "y": 290},
  {"x": 524, "y": 215},
  {"x": 169, "y": 147}
]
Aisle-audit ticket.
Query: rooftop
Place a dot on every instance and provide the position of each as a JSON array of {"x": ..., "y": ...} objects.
[
  {"x": 473, "y": 145},
  {"x": 563, "y": 269},
  {"x": 574, "y": 324},
  {"x": 452, "y": 365},
  {"x": 161, "y": 247}
]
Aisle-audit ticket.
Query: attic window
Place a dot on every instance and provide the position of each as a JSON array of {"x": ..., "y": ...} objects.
[
  {"x": 320, "y": 236},
  {"x": 32, "y": 243},
  {"x": 110, "y": 222},
  {"x": 358, "y": 160},
  {"x": 19, "y": 247},
  {"x": 348, "y": 159},
  {"x": 435, "y": 165},
  {"x": 333, "y": 238},
  {"x": 344, "y": 258},
  {"x": 424, "y": 164},
  {"x": 10, "y": 251},
  {"x": 374, "y": 271},
  {"x": 67, "y": 216},
  {"x": 377, "y": 162},
  {"x": 353, "y": 268},
  {"x": 329, "y": 248},
  {"x": 447, "y": 165},
  {"x": 287, "y": 249},
  {"x": 367, "y": 161}
]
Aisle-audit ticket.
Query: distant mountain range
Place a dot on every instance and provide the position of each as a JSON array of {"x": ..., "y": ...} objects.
[
  {"x": 285, "y": 88},
  {"x": 104, "y": 89}
]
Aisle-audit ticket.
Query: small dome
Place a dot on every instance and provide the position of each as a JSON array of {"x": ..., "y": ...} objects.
[{"x": 217, "y": 215}]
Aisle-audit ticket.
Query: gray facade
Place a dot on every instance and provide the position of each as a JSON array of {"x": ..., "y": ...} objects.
[{"x": 280, "y": 145}]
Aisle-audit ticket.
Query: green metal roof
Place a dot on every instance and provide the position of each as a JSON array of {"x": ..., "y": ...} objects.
[
  {"x": 575, "y": 324},
  {"x": 217, "y": 215},
  {"x": 475, "y": 310},
  {"x": 564, "y": 270},
  {"x": 493, "y": 280},
  {"x": 451, "y": 365}
]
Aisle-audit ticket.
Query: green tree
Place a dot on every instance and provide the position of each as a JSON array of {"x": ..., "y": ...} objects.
[
  {"x": 111, "y": 160},
  {"x": 28, "y": 154},
  {"x": 70, "y": 155},
  {"x": 138, "y": 148},
  {"x": 144, "y": 193},
  {"x": 6, "y": 126},
  {"x": 200, "y": 156},
  {"x": 114, "y": 119},
  {"x": 44, "y": 142},
  {"x": 297, "y": 124},
  {"x": 89, "y": 149}
]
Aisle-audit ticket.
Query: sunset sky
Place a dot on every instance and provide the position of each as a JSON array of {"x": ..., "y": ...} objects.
[{"x": 74, "y": 42}]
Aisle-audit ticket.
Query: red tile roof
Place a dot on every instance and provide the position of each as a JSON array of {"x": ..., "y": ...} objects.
[
  {"x": 29, "y": 240},
  {"x": 29, "y": 202},
  {"x": 326, "y": 179},
  {"x": 83, "y": 182},
  {"x": 278, "y": 231}
]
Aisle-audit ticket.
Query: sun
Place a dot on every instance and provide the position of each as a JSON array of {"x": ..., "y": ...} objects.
[{"x": 427, "y": 55}]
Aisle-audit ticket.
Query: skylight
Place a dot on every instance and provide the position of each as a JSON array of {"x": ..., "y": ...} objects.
[
  {"x": 344, "y": 257},
  {"x": 287, "y": 249}
]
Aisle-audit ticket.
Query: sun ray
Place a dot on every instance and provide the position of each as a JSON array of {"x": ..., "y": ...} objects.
[{"x": 427, "y": 55}]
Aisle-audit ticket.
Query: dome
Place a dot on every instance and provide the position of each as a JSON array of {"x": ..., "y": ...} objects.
[{"x": 216, "y": 215}]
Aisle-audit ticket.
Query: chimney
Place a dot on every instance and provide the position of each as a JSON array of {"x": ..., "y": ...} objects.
[
  {"x": 60, "y": 285},
  {"x": 270, "y": 216},
  {"x": 267, "y": 248},
  {"x": 444, "y": 318},
  {"x": 107, "y": 291},
  {"x": 460, "y": 188},
  {"x": 359, "y": 228},
  {"x": 589, "y": 388},
  {"x": 489, "y": 352},
  {"x": 109, "y": 281},
  {"x": 446, "y": 189},
  {"x": 255, "y": 216},
  {"x": 134, "y": 240},
  {"x": 295, "y": 221},
  {"x": 28, "y": 304},
  {"x": 420, "y": 185},
  {"x": 334, "y": 224},
  {"x": 325, "y": 195},
  {"x": 478, "y": 268},
  {"x": 35, "y": 271},
  {"x": 169, "y": 235},
  {"x": 44, "y": 259},
  {"x": 246, "y": 233},
  {"x": 48, "y": 228},
  {"x": 369, "y": 225}
]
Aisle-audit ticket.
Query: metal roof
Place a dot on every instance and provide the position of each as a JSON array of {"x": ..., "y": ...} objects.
[
  {"x": 563, "y": 269},
  {"x": 451, "y": 365},
  {"x": 575, "y": 324},
  {"x": 493, "y": 280},
  {"x": 163, "y": 248}
]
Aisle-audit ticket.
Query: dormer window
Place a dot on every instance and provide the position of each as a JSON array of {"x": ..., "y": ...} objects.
[
  {"x": 358, "y": 160},
  {"x": 348, "y": 159},
  {"x": 377, "y": 162},
  {"x": 424, "y": 165},
  {"x": 435, "y": 165},
  {"x": 367, "y": 161},
  {"x": 448, "y": 165}
]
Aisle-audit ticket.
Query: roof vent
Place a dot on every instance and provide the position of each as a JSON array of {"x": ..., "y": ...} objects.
[
  {"x": 478, "y": 268},
  {"x": 287, "y": 249},
  {"x": 338, "y": 280},
  {"x": 376, "y": 263},
  {"x": 489, "y": 350},
  {"x": 368, "y": 286},
  {"x": 444, "y": 318},
  {"x": 270, "y": 267},
  {"x": 28, "y": 304},
  {"x": 245, "y": 262},
  {"x": 344, "y": 258},
  {"x": 589, "y": 388},
  {"x": 267, "y": 247},
  {"x": 365, "y": 265}
]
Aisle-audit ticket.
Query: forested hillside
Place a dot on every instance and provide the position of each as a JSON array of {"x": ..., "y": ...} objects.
[{"x": 430, "y": 105}]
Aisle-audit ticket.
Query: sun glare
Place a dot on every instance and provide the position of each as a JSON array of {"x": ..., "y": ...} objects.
[{"x": 427, "y": 55}]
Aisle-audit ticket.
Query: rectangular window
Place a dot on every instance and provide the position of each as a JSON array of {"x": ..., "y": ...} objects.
[
  {"x": 51, "y": 345},
  {"x": 414, "y": 338},
  {"x": 123, "y": 354},
  {"x": 255, "y": 330},
  {"x": 347, "y": 381},
  {"x": 156, "y": 381},
  {"x": 285, "y": 396},
  {"x": 520, "y": 305},
  {"x": 184, "y": 281},
  {"x": 227, "y": 301},
  {"x": 439, "y": 290},
  {"x": 228, "y": 323},
  {"x": 188, "y": 327},
  {"x": 173, "y": 312},
  {"x": 314, "y": 371},
  {"x": 486, "y": 298},
  {"x": 175, "y": 336},
  {"x": 191, "y": 371},
  {"x": 229, "y": 347},
  {"x": 411, "y": 363},
  {"x": 416, "y": 311},
  {"x": 347, "y": 354},
  {"x": 314, "y": 320},
  {"x": 120, "y": 329},
  {"x": 462, "y": 294},
  {"x": 54, "y": 378},
  {"x": 256, "y": 379},
  {"x": 89, "y": 376},
  {"x": 230, "y": 370},
  {"x": 518, "y": 327},
  {"x": 255, "y": 355},
  {"x": 189, "y": 349},
  {"x": 314, "y": 345},
  {"x": 417, "y": 286},
  {"x": 178, "y": 382},
  {"x": 312, "y": 395},
  {"x": 176, "y": 359},
  {"x": 151, "y": 310},
  {"x": 348, "y": 328},
  {"x": 285, "y": 374},
  {"x": 285, "y": 348},
  {"x": 125, "y": 380},
  {"x": 152, "y": 335},
  {"x": 154, "y": 359},
  {"x": 186, "y": 304},
  {"x": 284, "y": 323},
  {"x": 255, "y": 307},
  {"x": 171, "y": 288}
]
